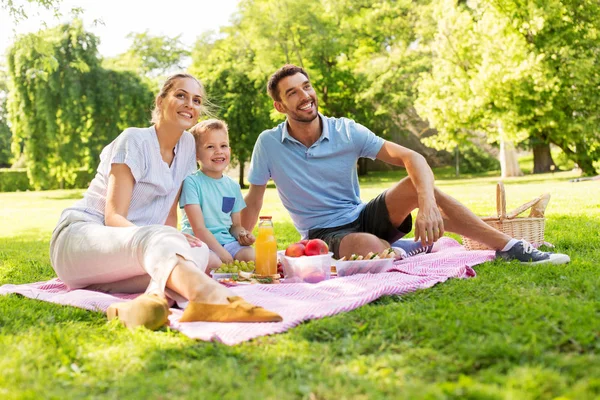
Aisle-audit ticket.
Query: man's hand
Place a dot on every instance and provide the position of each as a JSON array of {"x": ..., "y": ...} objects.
[{"x": 429, "y": 226}]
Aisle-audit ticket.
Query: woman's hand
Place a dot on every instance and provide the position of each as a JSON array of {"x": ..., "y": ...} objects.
[{"x": 193, "y": 240}]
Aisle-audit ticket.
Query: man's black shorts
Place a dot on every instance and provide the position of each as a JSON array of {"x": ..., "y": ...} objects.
[{"x": 374, "y": 218}]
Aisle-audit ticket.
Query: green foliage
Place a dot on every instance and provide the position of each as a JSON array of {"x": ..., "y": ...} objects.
[
  {"x": 236, "y": 92},
  {"x": 16, "y": 180},
  {"x": 150, "y": 56},
  {"x": 529, "y": 70},
  {"x": 13, "y": 180},
  {"x": 63, "y": 107},
  {"x": 18, "y": 11},
  {"x": 5, "y": 133},
  {"x": 474, "y": 160}
]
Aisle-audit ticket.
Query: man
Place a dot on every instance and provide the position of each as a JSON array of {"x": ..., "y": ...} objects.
[{"x": 312, "y": 160}]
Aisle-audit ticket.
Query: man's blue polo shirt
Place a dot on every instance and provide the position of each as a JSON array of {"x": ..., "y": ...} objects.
[{"x": 317, "y": 185}]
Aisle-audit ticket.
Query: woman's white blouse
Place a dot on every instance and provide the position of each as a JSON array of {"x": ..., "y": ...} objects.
[{"x": 156, "y": 184}]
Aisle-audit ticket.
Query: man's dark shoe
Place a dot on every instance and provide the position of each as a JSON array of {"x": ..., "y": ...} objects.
[
  {"x": 525, "y": 253},
  {"x": 407, "y": 248}
]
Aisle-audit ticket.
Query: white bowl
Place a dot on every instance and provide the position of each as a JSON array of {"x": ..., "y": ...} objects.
[
  {"x": 347, "y": 267},
  {"x": 307, "y": 269}
]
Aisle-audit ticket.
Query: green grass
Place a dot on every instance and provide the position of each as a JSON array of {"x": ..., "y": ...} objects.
[{"x": 512, "y": 332}]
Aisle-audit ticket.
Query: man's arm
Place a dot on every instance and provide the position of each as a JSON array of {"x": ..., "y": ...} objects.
[
  {"x": 429, "y": 225},
  {"x": 418, "y": 170},
  {"x": 254, "y": 202}
]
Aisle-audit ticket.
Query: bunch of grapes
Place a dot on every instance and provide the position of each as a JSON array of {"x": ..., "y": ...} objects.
[{"x": 235, "y": 267}]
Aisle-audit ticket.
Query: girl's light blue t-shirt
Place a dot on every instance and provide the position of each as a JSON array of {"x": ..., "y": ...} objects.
[{"x": 218, "y": 199}]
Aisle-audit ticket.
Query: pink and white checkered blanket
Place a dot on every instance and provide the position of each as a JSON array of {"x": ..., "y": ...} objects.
[{"x": 297, "y": 302}]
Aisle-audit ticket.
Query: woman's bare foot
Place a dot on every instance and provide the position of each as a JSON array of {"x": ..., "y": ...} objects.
[{"x": 149, "y": 310}]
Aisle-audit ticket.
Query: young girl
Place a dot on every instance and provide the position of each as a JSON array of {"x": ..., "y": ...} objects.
[
  {"x": 212, "y": 201},
  {"x": 121, "y": 236}
]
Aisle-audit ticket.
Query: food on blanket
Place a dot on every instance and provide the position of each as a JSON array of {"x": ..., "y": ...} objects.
[
  {"x": 314, "y": 276},
  {"x": 236, "y": 266},
  {"x": 254, "y": 278},
  {"x": 295, "y": 250},
  {"x": 387, "y": 253},
  {"x": 363, "y": 266},
  {"x": 308, "y": 269},
  {"x": 316, "y": 247}
]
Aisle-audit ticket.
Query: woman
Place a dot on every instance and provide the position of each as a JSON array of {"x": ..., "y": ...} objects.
[{"x": 122, "y": 236}]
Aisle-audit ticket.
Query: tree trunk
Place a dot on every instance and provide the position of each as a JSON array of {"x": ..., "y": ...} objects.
[
  {"x": 509, "y": 163},
  {"x": 241, "y": 178},
  {"x": 584, "y": 162},
  {"x": 542, "y": 159},
  {"x": 587, "y": 166},
  {"x": 362, "y": 167},
  {"x": 457, "y": 170}
]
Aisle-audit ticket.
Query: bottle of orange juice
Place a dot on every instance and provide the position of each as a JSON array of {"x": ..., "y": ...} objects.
[{"x": 266, "y": 248}]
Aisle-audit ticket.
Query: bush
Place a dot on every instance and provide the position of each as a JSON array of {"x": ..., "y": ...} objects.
[
  {"x": 474, "y": 160},
  {"x": 15, "y": 179}
]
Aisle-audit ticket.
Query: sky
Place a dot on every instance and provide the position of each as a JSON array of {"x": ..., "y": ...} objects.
[{"x": 121, "y": 17}]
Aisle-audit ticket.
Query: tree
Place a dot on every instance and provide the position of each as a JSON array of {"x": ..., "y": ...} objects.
[
  {"x": 63, "y": 107},
  {"x": 225, "y": 68},
  {"x": 496, "y": 66},
  {"x": 17, "y": 10},
  {"x": 152, "y": 56},
  {"x": 5, "y": 133}
]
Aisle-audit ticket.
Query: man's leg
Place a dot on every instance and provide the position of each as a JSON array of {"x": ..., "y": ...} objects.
[
  {"x": 401, "y": 199},
  {"x": 376, "y": 228},
  {"x": 361, "y": 243}
]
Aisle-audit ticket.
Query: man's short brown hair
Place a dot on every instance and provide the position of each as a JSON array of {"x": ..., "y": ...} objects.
[{"x": 283, "y": 72}]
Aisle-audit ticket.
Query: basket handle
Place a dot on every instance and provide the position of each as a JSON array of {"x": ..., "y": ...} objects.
[{"x": 501, "y": 200}]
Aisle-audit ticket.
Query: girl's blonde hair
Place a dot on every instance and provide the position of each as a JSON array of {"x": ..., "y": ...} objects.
[
  {"x": 208, "y": 125},
  {"x": 166, "y": 88}
]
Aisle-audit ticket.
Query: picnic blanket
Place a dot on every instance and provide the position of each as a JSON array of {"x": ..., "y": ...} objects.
[{"x": 297, "y": 302}]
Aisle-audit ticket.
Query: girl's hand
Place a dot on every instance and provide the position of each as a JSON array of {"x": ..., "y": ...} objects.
[{"x": 193, "y": 240}]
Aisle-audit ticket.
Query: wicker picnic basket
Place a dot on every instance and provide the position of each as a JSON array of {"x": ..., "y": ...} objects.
[{"x": 529, "y": 228}]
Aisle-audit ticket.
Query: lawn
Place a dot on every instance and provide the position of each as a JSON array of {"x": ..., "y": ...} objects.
[{"x": 512, "y": 332}]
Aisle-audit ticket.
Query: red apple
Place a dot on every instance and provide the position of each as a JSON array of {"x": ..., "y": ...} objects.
[
  {"x": 316, "y": 247},
  {"x": 295, "y": 250},
  {"x": 303, "y": 241}
]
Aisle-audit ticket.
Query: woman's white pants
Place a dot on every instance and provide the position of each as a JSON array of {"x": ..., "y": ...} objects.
[{"x": 87, "y": 254}]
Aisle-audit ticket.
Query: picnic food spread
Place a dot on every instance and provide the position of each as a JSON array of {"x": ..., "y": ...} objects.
[
  {"x": 236, "y": 266},
  {"x": 387, "y": 253}
]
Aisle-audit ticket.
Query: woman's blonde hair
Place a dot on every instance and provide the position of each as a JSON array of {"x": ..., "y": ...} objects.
[{"x": 166, "y": 88}]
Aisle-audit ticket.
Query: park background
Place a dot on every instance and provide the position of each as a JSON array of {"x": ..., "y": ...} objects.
[{"x": 483, "y": 89}]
